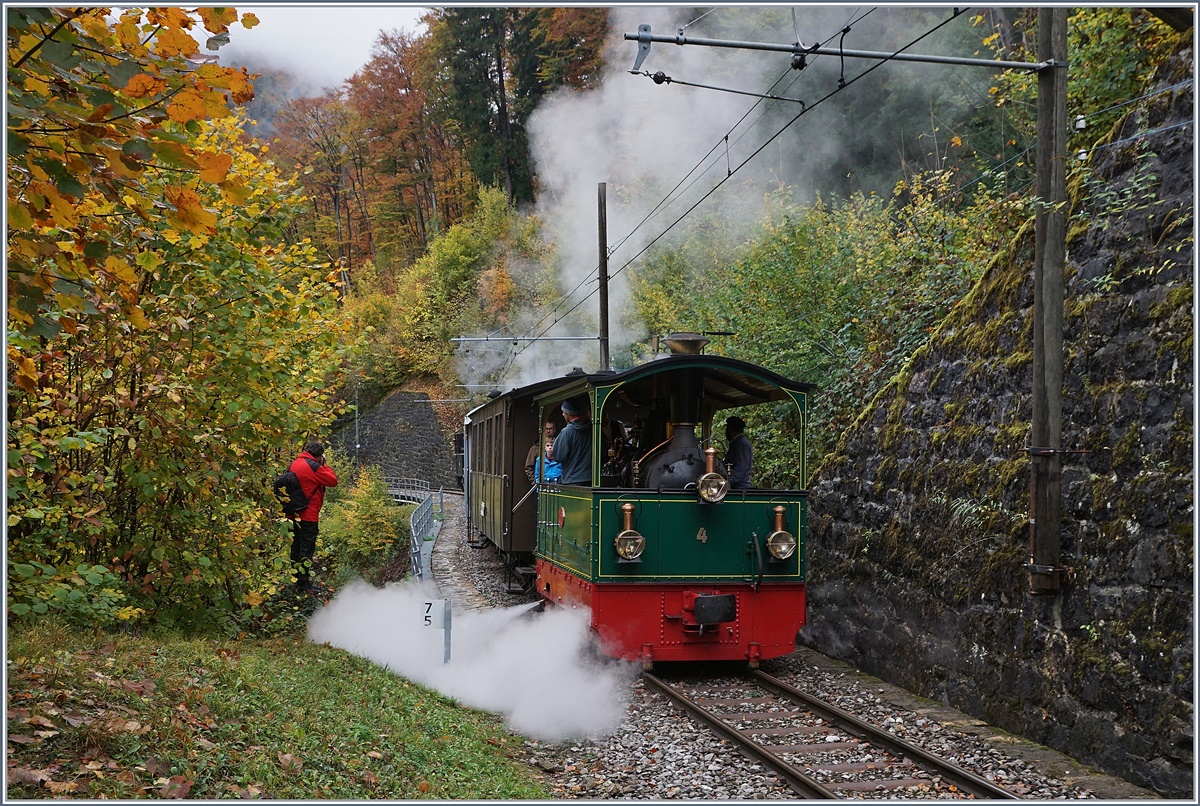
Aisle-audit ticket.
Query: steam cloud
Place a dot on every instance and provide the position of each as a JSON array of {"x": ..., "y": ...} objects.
[
  {"x": 649, "y": 143},
  {"x": 535, "y": 672}
]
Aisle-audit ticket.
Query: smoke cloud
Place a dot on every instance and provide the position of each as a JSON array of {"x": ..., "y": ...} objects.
[{"x": 534, "y": 670}]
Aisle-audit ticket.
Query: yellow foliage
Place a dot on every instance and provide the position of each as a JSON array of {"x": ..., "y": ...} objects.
[
  {"x": 188, "y": 105},
  {"x": 217, "y": 20},
  {"x": 175, "y": 42}
]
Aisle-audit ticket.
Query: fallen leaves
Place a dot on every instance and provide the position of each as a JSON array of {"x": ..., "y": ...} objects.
[
  {"x": 176, "y": 787},
  {"x": 290, "y": 763},
  {"x": 27, "y": 775}
]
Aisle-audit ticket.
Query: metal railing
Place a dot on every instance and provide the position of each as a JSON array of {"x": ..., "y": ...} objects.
[
  {"x": 410, "y": 490},
  {"x": 423, "y": 525}
]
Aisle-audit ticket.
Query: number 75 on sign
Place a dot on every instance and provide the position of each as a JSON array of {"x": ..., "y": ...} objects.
[{"x": 435, "y": 613}]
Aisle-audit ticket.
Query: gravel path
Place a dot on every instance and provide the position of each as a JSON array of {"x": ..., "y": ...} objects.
[{"x": 658, "y": 753}]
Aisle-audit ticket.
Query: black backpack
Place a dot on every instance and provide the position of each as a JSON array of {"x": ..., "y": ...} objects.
[{"x": 289, "y": 492}]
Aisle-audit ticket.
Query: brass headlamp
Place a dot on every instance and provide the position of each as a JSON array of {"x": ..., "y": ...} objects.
[
  {"x": 629, "y": 543},
  {"x": 712, "y": 486},
  {"x": 780, "y": 543}
]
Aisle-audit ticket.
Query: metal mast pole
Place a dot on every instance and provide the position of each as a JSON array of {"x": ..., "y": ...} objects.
[
  {"x": 1045, "y": 529},
  {"x": 603, "y": 218}
]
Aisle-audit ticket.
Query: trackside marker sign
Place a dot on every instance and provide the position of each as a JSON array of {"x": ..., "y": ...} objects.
[{"x": 436, "y": 614}]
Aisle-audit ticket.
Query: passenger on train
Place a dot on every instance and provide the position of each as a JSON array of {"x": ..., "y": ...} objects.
[
  {"x": 549, "y": 470},
  {"x": 573, "y": 446},
  {"x": 549, "y": 431}
]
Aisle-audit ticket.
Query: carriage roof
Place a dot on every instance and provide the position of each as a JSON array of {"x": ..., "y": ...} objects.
[{"x": 731, "y": 381}]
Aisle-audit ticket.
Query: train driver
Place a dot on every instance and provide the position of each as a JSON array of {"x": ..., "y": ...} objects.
[
  {"x": 573, "y": 445},
  {"x": 739, "y": 456}
]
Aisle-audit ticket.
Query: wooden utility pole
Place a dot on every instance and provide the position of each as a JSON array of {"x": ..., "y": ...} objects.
[
  {"x": 603, "y": 216},
  {"x": 1050, "y": 228}
]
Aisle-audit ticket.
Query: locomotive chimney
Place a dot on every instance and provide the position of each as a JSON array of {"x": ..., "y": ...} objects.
[{"x": 686, "y": 343}]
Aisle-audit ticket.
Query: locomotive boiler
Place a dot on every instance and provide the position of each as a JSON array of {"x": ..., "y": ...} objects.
[{"x": 670, "y": 563}]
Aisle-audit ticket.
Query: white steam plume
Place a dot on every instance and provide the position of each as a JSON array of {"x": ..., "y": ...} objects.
[
  {"x": 535, "y": 672},
  {"x": 642, "y": 140}
]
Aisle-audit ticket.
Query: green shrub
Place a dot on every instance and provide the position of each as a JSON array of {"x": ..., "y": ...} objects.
[
  {"x": 85, "y": 595},
  {"x": 364, "y": 529}
]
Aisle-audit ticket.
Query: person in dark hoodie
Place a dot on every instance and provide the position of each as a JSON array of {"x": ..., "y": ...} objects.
[
  {"x": 314, "y": 477},
  {"x": 573, "y": 445}
]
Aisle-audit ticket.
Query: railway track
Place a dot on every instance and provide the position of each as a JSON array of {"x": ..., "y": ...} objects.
[{"x": 818, "y": 749}]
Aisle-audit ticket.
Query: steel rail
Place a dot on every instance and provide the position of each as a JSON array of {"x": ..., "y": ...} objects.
[
  {"x": 802, "y": 784},
  {"x": 966, "y": 781}
]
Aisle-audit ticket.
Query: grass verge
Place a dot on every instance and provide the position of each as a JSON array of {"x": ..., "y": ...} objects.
[{"x": 98, "y": 715}]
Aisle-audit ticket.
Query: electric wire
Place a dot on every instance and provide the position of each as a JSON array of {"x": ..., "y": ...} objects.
[
  {"x": 1171, "y": 88},
  {"x": 1139, "y": 136}
]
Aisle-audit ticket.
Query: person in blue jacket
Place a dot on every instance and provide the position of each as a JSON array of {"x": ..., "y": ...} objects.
[
  {"x": 573, "y": 445},
  {"x": 553, "y": 469}
]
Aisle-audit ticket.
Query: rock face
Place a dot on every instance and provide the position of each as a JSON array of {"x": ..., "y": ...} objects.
[
  {"x": 403, "y": 437},
  {"x": 919, "y": 527}
]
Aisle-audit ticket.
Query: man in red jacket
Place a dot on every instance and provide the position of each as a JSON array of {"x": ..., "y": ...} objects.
[{"x": 314, "y": 477}]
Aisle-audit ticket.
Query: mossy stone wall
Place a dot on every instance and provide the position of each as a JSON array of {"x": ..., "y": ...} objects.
[{"x": 919, "y": 527}]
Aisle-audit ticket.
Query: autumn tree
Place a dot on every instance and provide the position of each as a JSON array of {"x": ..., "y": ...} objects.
[
  {"x": 156, "y": 324},
  {"x": 421, "y": 183},
  {"x": 572, "y": 51},
  {"x": 93, "y": 105},
  {"x": 324, "y": 142}
]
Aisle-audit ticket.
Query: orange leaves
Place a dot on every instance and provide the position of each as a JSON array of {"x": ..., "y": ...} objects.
[
  {"x": 214, "y": 167},
  {"x": 217, "y": 20},
  {"x": 238, "y": 82},
  {"x": 143, "y": 85},
  {"x": 169, "y": 18},
  {"x": 194, "y": 104},
  {"x": 45, "y": 199},
  {"x": 175, "y": 42},
  {"x": 241, "y": 88},
  {"x": 190, "y": 212},
  {"x": 120, "y": 270},
  {"x": 26, "y": 375}
]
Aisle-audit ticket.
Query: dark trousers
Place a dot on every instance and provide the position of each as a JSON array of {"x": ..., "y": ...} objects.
[{"x": 304, "y": 545}]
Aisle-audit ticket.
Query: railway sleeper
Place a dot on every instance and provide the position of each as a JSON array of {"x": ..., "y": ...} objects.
[
  {"x": 861, "y": 766},
  {"x": 884, "y": 785},
  {"x": 814, "y": 747}
]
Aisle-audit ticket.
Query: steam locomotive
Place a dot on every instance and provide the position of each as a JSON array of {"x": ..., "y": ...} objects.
[{"x": 669, "y": 561}]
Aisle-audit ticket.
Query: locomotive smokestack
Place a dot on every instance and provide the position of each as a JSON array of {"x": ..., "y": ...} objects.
[{"x": 686, "y": 343}]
